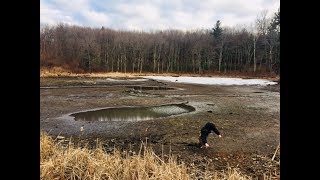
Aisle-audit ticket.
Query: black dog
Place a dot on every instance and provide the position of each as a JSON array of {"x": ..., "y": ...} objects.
[{"x": 205, "y": 131}]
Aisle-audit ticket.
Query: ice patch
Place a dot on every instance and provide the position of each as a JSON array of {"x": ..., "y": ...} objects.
[
  {"x": 212, "y": 80},
  {"x": 169, "y": 110}
]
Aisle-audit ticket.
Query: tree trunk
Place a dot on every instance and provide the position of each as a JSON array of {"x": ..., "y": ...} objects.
[
  {"x": 220, "y": 57},
  {"x": 254, "y": 54},
  {"x": 89, "y": 63},
  {"x": 121, "y": 63},
  {"x": 270, "y": 59},
  {"x": 112, "y": 60},
  {"x": 159, "y": 59},
  {"x": 118, "y": 63},
  {"x": 199, "y": 64},
  {"x": 158, "y": 67},
  {"x": 193, "y": 64},
  {"x": 107, "y": 58},
  {"x": 162, "y": 66},
  {"x": 133, "y": 65},
  {"x": 141, "y": 65},
  {"x": 106, "y": 61},
  {"x": 154, "y": 58},
  {"x": 125, "y": 64}
]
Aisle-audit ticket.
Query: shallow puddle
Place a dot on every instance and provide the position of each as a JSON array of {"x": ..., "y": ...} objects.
[{"x": 133, "y": 113}]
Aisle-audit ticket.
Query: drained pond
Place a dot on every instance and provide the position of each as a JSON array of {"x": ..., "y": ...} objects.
[{"x": 133, "y": 113}]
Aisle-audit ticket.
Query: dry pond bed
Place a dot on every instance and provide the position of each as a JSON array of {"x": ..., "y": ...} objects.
[{"x": 248, "y": 116}]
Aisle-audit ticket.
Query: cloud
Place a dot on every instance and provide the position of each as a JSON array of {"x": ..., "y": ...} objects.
[
  {"x": 96, "y": 18},
  {"x": 50, "y": 15},
  {"x": 154, "y": 14}
]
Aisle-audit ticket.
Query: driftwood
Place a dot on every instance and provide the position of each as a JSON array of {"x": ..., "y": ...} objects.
[{"x": 274, "y": 155}]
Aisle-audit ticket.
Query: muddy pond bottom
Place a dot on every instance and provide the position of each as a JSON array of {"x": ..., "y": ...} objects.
[{"x": 133, "y": 113}]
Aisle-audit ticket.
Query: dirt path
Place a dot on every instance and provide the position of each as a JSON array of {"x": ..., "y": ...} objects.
[{"x": 247, "y": 116}]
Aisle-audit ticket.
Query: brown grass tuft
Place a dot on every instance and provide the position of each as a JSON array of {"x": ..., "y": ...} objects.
[
  {"x": 60, "y": 162},
  {"x": 70, "y": 162}
]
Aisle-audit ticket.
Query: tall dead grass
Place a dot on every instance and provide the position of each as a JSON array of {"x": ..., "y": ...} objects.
[
  {"x": 65, "y": 72},
  {"x": 59, "y": 161}
]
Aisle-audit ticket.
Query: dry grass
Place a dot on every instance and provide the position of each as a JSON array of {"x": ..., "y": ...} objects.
[
  {"x": 59, "y": 161},
  {"x": 63, "y": 72}
]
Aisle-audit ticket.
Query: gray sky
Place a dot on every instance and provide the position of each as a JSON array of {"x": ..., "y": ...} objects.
[{"x": 154, "y": 14}]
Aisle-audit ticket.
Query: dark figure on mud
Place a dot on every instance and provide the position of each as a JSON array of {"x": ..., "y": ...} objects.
[{"x": 205, "y": 131}]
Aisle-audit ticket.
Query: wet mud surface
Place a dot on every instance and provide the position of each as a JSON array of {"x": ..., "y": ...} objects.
[{"x": 248, "y": 118}]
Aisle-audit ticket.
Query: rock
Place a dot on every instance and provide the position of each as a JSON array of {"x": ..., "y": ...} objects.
[{"x": 60, "y": 137}]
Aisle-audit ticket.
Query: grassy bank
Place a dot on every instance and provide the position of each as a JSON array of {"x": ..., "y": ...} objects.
[
  {"x": 63, "y": 72},
  {"x": 59, "y": 161}
]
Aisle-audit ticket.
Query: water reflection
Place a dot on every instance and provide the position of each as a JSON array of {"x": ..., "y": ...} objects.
[{"x": 132, "y": 113}]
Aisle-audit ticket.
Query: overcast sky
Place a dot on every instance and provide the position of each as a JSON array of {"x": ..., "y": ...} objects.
[{"x": 154, "y": 14}]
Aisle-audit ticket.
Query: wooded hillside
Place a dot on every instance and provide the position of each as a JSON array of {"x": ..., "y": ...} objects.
[{"x": 221, "y": 49}]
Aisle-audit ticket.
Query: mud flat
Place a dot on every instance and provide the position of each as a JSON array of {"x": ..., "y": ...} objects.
[{"x": 248, "y": 117}]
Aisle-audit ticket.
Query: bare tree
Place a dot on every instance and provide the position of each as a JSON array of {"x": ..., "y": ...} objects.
[{"x": 197, "y": 51}]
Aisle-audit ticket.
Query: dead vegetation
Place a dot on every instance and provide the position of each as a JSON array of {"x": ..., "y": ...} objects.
[
  {"x": 69, "y": 161},
  {"x": 58, "y": 161},
  {"x": 65, "y": 72}
]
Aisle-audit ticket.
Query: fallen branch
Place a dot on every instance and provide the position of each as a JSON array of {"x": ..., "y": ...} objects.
[{"x": 274, "y": 155}]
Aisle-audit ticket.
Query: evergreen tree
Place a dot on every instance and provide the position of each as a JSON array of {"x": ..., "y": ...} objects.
[
  {"x": 217, "y": 31},
  {"x": 275, "y": 22},
  {"x": 217, "y": 34}
]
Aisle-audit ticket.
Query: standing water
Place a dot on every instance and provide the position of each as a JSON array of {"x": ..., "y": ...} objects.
[{"x": 133, "y": 113}]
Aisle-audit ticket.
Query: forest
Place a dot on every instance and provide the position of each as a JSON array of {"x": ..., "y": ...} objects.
[{"x": 241, "y": 49}]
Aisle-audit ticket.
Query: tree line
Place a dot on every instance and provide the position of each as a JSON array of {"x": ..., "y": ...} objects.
[{"x": 221, "y": 49}]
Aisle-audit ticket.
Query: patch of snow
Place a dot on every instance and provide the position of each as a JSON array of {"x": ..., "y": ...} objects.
[
  {"x": 212, "y": 80},
  {"x": 171, "y": 110}
]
